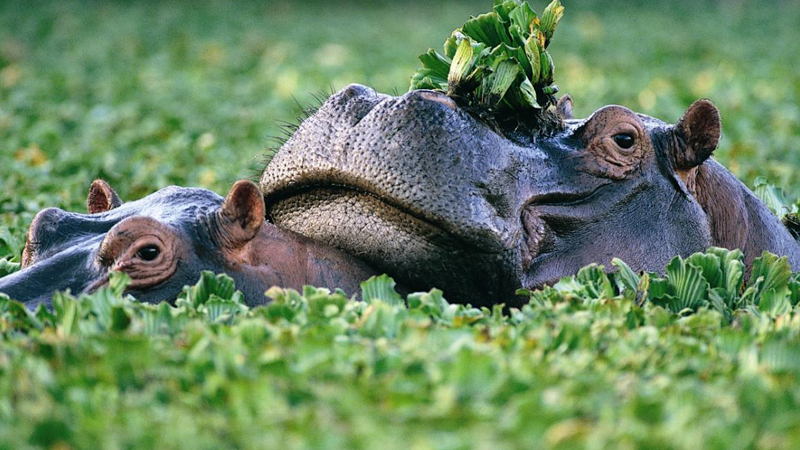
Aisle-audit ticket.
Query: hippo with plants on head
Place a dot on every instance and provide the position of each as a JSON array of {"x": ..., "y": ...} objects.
[
  {"x": 417, "y": 187},
  {"x": 165, "y": 240}
]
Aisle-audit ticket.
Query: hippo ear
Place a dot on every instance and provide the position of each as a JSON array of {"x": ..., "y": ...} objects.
[
  {"x": 101, "y": 198},
  {"x": 564, "y": 107},
  {"x": 242, "y": 214},
  {"x": 697, "y": 135}
]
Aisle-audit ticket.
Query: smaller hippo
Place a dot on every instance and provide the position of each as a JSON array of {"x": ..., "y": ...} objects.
[{"x": 165, "y": 240}]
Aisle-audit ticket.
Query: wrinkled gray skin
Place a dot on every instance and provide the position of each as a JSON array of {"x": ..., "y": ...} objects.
[
  {"x": 191, "y": 229},
  {"x": 416, "y": 187}
]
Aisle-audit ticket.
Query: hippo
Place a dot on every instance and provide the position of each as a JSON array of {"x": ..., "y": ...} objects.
[
  {"x": 421, "y": 189},
  {"x": 418, "y": 187},
  {"x": 165, "y": 240}
]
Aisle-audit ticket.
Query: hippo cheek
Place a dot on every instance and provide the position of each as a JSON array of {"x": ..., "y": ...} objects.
[{"x": 186, "y": 274}]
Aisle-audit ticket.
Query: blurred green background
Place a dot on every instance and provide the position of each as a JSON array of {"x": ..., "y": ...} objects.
[{"x": 147, "y": 94}]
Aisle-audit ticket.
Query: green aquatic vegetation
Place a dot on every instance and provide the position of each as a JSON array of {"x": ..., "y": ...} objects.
[
  {"x": 497, "y": 63},
  {"x": 697, "y": 358},
  {"x": 147, "y": 94}
]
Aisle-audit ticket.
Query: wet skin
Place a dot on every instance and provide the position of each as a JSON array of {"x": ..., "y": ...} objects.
[
  {"x": 416, "y": 187},
  {"x": 165, "y": 240}
]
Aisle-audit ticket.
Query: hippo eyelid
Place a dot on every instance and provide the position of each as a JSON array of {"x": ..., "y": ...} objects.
[
  {"x": 624, "y": 136},
  {"x": 129, "y": 236}
]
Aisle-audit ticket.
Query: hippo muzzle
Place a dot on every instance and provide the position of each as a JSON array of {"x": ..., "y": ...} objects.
[
  {"x": 415, "y": 186},
  {"x": 71, "y": 270}
]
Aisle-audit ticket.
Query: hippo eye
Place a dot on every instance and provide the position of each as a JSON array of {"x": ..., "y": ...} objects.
[
  {"x": 148, "y": 253},
  {"x": 623, "y": 140}
]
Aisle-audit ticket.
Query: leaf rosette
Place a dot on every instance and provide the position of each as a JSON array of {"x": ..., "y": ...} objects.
[{"x": 497, "y": 63}]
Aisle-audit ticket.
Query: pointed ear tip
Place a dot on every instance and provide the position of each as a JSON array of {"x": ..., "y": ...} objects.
[
  {"x": 244, "y": 210},
  {"x": 101, "y": 197},
  {"x": 706, "y": 107},
  {"x": 100, "y": 186},
  {"x": 244, "y": 188},
  {"x": 245, "y": 193},
  {"x": 705, "y": 114},
  {"x": 99, "y": 183},
  {"x": 704, "y": 102},
  {"x": 564, "y": 107}
]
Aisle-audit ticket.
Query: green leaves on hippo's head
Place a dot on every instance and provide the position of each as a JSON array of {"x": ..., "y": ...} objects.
[{"x": 497, "y": 63}]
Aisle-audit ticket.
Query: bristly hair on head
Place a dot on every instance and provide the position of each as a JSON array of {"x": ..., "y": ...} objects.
[{"x": 287, "y": 128}]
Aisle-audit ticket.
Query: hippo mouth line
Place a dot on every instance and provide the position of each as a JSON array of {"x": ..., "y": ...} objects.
[{"x": 566, "y": 198}]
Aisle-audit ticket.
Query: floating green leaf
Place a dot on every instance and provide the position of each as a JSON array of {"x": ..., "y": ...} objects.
[
  {"x": 773, "y": 197},
  {"x": 595, "y": 281},
  {"x": 550, "y": 17},
  {"x": 627, "y": 279},
  {"x": 732, "y": 267},
  {"x": 210, "y": 285},
  {"x": 380, "y": 288},
  {"x": 689, "y": 285},
  {"x": 7, "y": 267},
  {"x": 769, "y": 273}
]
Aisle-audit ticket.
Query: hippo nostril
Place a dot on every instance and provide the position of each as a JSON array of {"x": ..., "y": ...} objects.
[
  {"x": 54, "y": 229},
  {"x": 45, "y": 223},
  {"x": 439, "y": 98},
  {"x": 354, "y": 102},
  {"x": 355, "y": 91}
]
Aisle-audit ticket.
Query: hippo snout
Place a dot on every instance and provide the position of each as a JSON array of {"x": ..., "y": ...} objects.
[
  {"x": 54, "y": 230},
  {"x": 66, "y": 271},
  {"x": 405, "y": 183},
  {"x": 43, "y": 231}
]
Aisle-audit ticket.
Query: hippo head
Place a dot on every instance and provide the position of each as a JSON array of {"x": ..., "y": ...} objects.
[
  {"x": 164, "y": 241},
  {"x": 419, "y": 188}
]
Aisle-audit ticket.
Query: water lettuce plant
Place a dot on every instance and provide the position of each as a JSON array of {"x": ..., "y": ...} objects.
[
  {"x": 775, "y": 198},
  {"x": 497, "y": 63}
]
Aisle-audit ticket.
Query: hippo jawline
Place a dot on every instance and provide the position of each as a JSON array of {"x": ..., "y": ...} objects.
[{"x": 419, "y": 252}]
